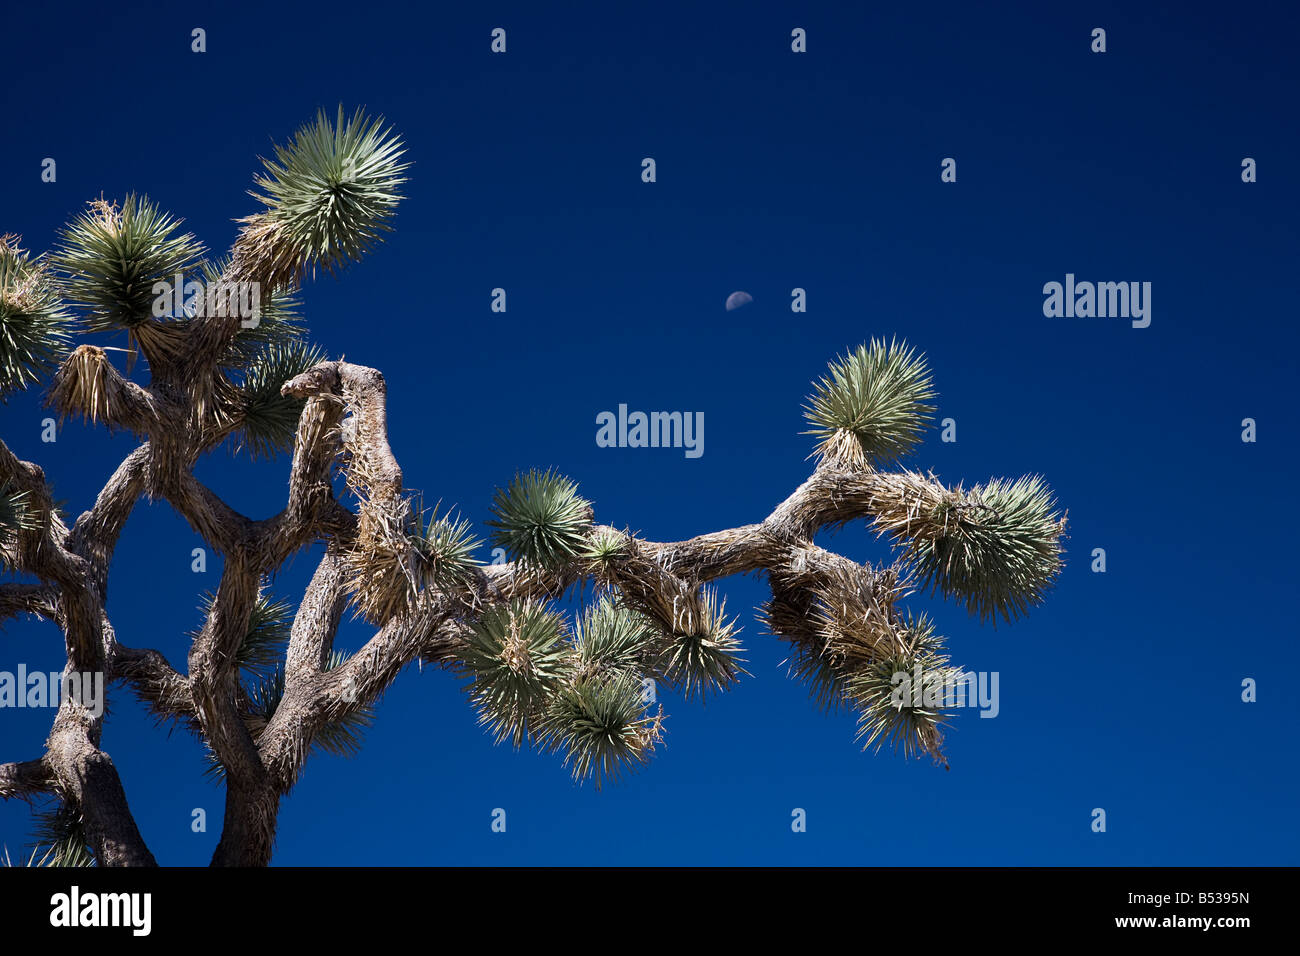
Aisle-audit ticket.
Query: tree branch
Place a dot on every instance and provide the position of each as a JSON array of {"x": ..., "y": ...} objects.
[
  {"x": 18, "y": 598},
  {"x": 154, "y": 681},
  {"x": 24, "y": 780},
  {"x": 95, "y": 534}
]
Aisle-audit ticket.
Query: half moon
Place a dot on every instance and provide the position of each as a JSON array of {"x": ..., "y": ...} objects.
[{"x": 737, "y": 299}]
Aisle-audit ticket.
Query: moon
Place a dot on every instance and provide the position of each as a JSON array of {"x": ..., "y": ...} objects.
[{"x": 738, "y": 299}]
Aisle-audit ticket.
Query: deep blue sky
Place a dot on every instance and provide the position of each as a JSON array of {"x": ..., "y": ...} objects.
[{"x": 775, "y": 170}]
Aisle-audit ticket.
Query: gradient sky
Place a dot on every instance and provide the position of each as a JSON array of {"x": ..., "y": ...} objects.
[{"x": 775, "y": 171}]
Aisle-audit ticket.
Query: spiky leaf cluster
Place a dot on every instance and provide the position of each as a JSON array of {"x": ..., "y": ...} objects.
[
  {"x": 265, "y": 692},
  {"x": 59, "y": 836},
  {"x": 445, "y": 546},
  {"x": 114, "y": 256},
  {"x": 892, "y": 710},
  {"x": 600, "y": 724},
  {"x": 612, "y": 638},
  {"x": 330, "y": 193},
  {"x": 602, "y": 551},
  {"x": 540, "y": 519},
  {"x": 269, "y": 624},
  {"x": 872, "y": 407},
  {"x": 35, "y": 328},
  {"x": 997, "y": 548},
  {"x": 15, "y": 514},
  {"x": 516, "y": 656},
  {"x": 40, "y": 856},
  {"x": 268, "y": 420},
  {"x": 702, "y": 653}
]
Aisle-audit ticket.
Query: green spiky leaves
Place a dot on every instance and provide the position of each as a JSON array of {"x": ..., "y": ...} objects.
[
  {"x": 267, "y": 419},
  {"x": 600, "y": 721},
  {"x": 600, "y": 724},
  {"x": 703, "y": 651},
  {"x": 581, "y": 697},
  {"x": 872, "y": 407},
  {"x": 35, "y": 328},
  {"x": 260, "y": 358},
  {"x": 603, "y": 550},
  {"x": 517, "y": 657},
  {"x": 540, "y": 519},
  {"x": 612, "y": 638},
  {"x": 265, "y": 692},
  {"x": 114, "y": 257},
  {"x": 445, "y": 546},
  {"x": 15, "y": 511},
  {"x": 995, "y": 548},
  {"x": 269, "y": 622},
  {"x": 900, "y": 696},
  {"x": 59, "y": 838},
  {"x": 329, "y": 195},
  {"x": 697, "y": 649}
]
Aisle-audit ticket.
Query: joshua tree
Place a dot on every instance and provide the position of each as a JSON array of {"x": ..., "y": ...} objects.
[{"x": 264, "y": 686}]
